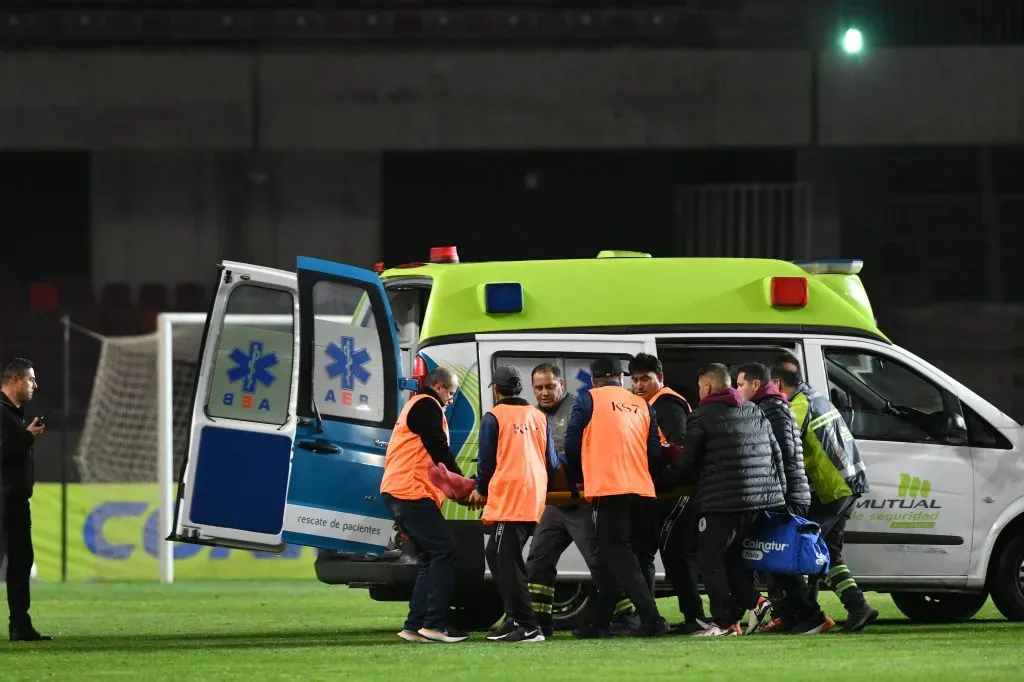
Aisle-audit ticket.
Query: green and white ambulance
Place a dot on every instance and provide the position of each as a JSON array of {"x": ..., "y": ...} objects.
[{"x": 290, "y": 449}]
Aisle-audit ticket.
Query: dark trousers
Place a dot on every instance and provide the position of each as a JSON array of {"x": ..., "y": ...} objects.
[
  {"x": 643, "y": 535},
  {"x": 17, "y": 527},
  {"x": 677, "y": 542},
  {"x": 505, "y": 559},
  {"x": 832, "y": 518},
  {"x": 792, "y": 599},
  {"x": 560, "y": 527},
  {"x": 616, "y": 565},
  {"x": 727, "y": 580},
  {"x": 435, "y": 547}
]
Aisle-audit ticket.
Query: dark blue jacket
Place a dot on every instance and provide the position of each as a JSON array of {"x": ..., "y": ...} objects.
[
  {"x": 582, "y": 413},
  {"x": 487, "y": 456}
]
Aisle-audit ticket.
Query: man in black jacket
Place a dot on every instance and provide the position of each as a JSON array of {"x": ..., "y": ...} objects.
[
  {"x": 17, "y": 473},
  {"x": 675, "y": 517},
  {"x": 731, "y": 450},
  {"x": 793, "y": 607}
]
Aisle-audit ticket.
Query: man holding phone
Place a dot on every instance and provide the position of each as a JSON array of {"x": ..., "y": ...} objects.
[{"x": 17, "y": 478}]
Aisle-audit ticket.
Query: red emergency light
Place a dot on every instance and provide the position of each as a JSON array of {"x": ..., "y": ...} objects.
[
  {"x": 444, "y": 254},
  {"x": 378, "y": 267},
  {"x": 789, "y": 292},
  {"x": 419, "y": 371}
]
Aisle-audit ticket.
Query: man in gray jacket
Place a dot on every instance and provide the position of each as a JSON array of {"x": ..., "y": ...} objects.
[{"x": 559, "y": 526}]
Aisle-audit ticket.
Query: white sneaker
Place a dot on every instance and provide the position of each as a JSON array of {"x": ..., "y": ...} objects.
[
  {"x": 715, "y": 631},
  {"x": 412, "y": 636},
  {"x": 758, "y": 615},
  {"x": 446, "y": 636}
]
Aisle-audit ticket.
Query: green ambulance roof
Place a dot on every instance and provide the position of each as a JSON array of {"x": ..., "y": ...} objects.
[{"x": 622, "y": 291}]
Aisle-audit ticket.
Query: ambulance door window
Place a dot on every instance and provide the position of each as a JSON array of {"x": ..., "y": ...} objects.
[
  {"x": 252, "y": 370},
  {"x": 884, "y": 400}
]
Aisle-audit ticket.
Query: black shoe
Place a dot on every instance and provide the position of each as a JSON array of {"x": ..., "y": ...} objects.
[
  {"x": 858, "y": 618},
  {"x": 548, "y": 632},
  {"x": 28, "y": 634},
  {"x": 818, "y": 624},
  {"x": 688, "y": 627},
  {"x": 521, "y": 634},
  {"x": 658, "y": 628},
  {"x": 591, "y": 632},
  {"x": 506, "y": 629},
  {"x": 625, "y": 623}
]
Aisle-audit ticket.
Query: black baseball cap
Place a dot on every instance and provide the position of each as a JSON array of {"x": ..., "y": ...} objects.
[
  {"x": 507, "y": 377},
  {"x": 605, "y": 366}
]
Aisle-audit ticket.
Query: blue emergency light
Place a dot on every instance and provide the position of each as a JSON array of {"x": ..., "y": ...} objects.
[
  {"x": 831, "y": 266},
  {"x": 503, "y": 297}
]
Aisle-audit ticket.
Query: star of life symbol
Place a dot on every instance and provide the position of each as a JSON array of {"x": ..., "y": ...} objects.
[
  {"x": 348, "y": 363},
  {"x": 252, "y": 368}
]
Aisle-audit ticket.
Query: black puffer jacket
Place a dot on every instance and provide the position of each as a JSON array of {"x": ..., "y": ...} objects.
[
  {"x": 775, "y": 406},
  {"x": 731, "y": 452}
]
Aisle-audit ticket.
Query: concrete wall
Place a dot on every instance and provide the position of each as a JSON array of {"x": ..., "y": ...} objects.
[
  {"x": 429, "y": 100},
  {"x": 170, "y": 216}
]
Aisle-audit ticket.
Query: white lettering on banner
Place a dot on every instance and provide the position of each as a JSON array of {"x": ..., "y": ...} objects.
[
  {"x": 754, "y": 550},
  {"x": 338, "y": 525}
]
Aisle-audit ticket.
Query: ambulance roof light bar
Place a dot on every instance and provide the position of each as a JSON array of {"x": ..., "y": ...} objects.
[
  {"x": 831, "y": 266},
  {"x": 444, "y": 254}
]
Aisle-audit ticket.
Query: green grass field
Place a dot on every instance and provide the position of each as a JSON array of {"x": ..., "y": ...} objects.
[{"x": 281, "y": 630}]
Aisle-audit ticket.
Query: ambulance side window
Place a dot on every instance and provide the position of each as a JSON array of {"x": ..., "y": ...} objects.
[
  {"x": 981, "y": 434},
  {"x": 575, "y": 371},
  {"x": 883, "y": 399},
  {"x": 251, "y": 378}
]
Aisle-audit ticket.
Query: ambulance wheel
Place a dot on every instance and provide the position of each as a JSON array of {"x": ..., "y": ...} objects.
[
  {"x": 476, "y": 611},
  {"x": 572, "y": 604},
  {"x": 1006, "y": 578},
  {"x": 938, "y": 607}
]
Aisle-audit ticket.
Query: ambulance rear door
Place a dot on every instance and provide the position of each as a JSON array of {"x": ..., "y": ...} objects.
[
  {"x": 234, "y": 480},
  {"x": 349, "y": 388}
]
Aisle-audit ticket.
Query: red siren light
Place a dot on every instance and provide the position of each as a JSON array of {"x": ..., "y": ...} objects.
[
  {"x": 789, "y": 292},
  {"x": 444, "y": 254}
]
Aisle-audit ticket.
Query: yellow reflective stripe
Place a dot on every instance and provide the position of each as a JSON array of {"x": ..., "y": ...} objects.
[
  {"x": 545, "y": 590},
  {"x": 845, "y": 585},
  {"x": 836, "y": 570},
  {"x": 824, "y": 419},
  {"x": 541, "y": 608},
  {"x": 623, "y": 606}
]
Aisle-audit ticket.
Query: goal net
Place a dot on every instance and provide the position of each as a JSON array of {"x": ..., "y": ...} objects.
[
  {"x": 136, "y": 431},
  {"x": 120, "y": 441},
  {"x": 138, "y": 422}
]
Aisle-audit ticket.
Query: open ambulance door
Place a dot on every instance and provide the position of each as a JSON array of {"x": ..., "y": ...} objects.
[
  {"x": 349, "y": 389},
  {"x": 234, "y": 481}
]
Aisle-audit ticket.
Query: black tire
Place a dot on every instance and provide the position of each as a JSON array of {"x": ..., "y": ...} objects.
[
  {"x": 1006, "y": 578},
  {"x": 938, "y": 607},
  {"x": 572, "y": 605},
  {"x": 477, "y": 611}
]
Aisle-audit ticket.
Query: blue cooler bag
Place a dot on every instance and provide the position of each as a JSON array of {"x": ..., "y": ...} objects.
[{"x": 784, "y": 543}]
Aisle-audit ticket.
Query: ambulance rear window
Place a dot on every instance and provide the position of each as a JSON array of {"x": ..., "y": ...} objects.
[{"x": 408, "y": 304}]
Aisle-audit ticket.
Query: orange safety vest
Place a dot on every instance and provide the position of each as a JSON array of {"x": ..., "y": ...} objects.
[
  {"x": 518, "y": 489},
  {"x": 615, "y": 445},
  {"x": 665, "y": 390},
  {"x": 406, "y": 461}
]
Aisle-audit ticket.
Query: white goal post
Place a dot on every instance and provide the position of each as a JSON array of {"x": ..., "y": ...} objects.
[{"x": 139, "y": 417}]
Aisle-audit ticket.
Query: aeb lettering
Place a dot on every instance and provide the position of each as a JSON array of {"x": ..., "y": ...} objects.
[
  {"x": 347, "y": 398},
  {"x": 246, "y": 402},
  {"x": 97, "y": 543}
]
